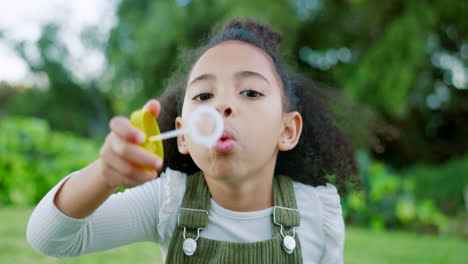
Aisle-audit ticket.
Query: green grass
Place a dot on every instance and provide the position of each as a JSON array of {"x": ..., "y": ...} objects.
[
  {"x": 362, "y": 246},
  {"x": 367, "y": 246}
]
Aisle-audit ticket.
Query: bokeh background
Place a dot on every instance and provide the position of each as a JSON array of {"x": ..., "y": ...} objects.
[{"x": 400, "y": 69}]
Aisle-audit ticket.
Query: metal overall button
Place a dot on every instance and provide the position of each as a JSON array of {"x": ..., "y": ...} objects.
[
  {"x": 190, "y": 244},
  {"x": 289, "y": 243}
]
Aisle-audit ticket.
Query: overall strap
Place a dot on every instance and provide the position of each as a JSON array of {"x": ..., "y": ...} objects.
[
  {"x": 194, "y": 211},
  {"x": 285, "y": 211},
  {"x": 188, "y": 247}
]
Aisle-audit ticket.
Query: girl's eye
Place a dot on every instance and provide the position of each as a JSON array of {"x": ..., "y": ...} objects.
[
  {"x": 203, "y": 97},
  {"x": 251, "y": 93}
]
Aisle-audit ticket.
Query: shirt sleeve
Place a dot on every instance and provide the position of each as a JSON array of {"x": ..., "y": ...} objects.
[
  {"x": 124, "y": 218},
  {"x": 332, "y": 224}
]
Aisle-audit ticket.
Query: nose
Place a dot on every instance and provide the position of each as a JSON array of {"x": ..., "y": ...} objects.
[{"x": 224, "y": 110}]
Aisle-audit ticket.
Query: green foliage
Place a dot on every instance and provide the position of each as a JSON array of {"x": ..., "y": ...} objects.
[
  {"x": 390, "y": 70},
  {"x": 68, "y": 104},
  {"x": 388, "y": 87},
  {"x": 388, "y": 200},
  {"x": 144, "y": 45},
  {"x": 444, "y": 184},
  {"x": 33, "y": 158}
]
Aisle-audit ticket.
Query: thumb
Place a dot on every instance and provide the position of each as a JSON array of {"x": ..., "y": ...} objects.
[{"x": 154, "y": 106}]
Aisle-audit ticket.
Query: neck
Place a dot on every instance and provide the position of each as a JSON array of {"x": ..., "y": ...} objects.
[{"x": 245, "y": 193}]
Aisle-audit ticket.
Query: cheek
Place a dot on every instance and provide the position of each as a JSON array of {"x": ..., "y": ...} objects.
[
  {"x": 271, "y": 114},
  {"x": 265, "y": 126},
  {"x": 186, "y": 109},
  {"x": 200, "y": 156}
]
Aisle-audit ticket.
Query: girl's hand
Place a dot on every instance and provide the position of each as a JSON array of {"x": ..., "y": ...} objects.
[{"x": 121, "y": 157}]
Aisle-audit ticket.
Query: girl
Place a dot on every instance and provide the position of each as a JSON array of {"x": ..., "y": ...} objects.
[{"x": 258, "y": 196}]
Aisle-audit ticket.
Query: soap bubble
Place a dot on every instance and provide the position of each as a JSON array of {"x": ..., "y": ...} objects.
[{"x": 205, "y": 127}]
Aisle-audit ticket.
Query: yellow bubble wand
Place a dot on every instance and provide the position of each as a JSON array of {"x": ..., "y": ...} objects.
[{"x": 145, "y": 122}]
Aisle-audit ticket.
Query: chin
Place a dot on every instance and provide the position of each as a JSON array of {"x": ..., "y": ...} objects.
[{"x": 222, "y": 170}]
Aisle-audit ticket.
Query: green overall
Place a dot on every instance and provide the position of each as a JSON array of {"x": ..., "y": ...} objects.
[{"x": 193, "y": 216}]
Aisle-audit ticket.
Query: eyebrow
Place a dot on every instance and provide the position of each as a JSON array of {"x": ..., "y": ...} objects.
[
  {"x": 203, "y": 77},
  {"x": 237, "y": 75}
]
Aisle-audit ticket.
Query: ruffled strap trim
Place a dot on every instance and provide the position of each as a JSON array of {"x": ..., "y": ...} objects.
[
  {"x": 332, "y": 223},
  {"x": 173, "y": 184}
]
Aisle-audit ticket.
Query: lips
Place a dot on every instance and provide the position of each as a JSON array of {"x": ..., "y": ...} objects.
[{"x": 226, "y": 142}]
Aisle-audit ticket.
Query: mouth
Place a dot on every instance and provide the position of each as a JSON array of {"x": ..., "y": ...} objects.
[{"x": 226, "y": 142}]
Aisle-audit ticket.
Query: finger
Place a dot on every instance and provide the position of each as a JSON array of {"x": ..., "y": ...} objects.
[
  {"x": 117, "y": 178},
  {"x": 142, "y": 176},
  {"x": 127, "y": 172},
  {"x": 134, "y": 153},
  {"x": 113, "y": 160},
  {"x": 122, "y": 127},
  {"x": 113, "y": 177},
  {"x": 154, "y": 106}
]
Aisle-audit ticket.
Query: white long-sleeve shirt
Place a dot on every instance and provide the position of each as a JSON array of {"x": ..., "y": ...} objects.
[{"x": 149, "y": 213}]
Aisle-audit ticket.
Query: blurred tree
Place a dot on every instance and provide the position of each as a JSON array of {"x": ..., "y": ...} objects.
[
  {"x": 66, "y": 103},
  {"x": 403, "y": 60},
  {"x": 414, "y": 72},
  {"x": 144, "y": 45}
]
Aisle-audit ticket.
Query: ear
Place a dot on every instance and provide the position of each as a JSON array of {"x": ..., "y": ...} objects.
[
  {"x": 292, "y": 128},
  {"x": 181, "y": 145}
]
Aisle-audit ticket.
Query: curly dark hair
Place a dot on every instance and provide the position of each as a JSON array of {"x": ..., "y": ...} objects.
[{"x": 322, "y": 149}]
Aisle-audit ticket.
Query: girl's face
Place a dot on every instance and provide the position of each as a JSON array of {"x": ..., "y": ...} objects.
[{"x": 240, "y": 81}]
